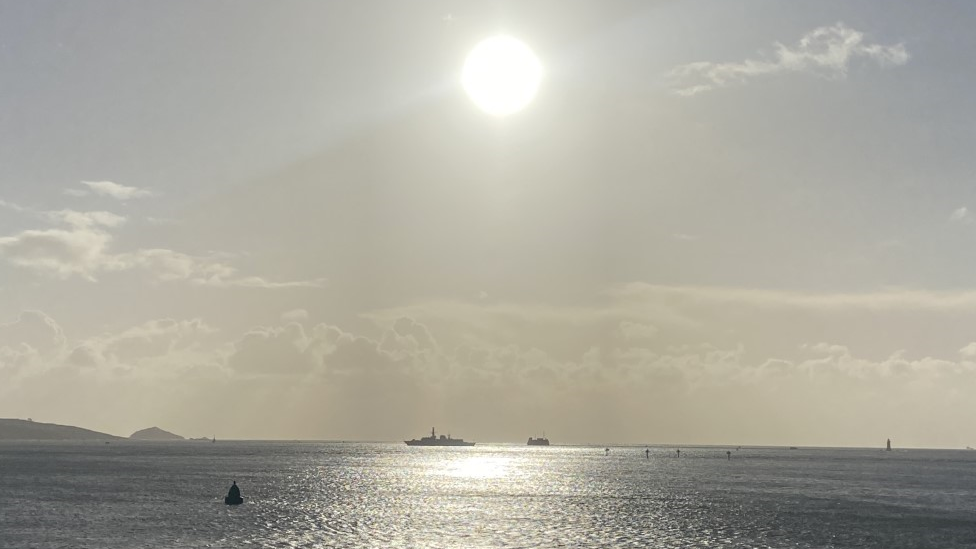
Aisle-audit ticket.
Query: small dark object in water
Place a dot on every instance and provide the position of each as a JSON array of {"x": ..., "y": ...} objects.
[{"x": 234, "y": 495}]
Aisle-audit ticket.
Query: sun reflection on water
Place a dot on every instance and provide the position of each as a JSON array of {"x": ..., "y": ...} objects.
[{"x": 479, "y": 467}]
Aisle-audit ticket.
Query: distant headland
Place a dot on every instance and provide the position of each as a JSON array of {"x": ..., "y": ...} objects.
[{"x": 27, "y": 429}]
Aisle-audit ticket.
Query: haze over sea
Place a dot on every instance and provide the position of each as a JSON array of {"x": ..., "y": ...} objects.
[{"x": 312, "y": 494}]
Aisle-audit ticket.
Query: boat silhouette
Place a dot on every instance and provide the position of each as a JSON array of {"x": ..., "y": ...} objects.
[
  {"x": 541, "y": 441},
  {"x": 434, "y": 440}
]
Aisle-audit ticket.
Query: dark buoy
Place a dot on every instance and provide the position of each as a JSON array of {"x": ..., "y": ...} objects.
[
  {"x": 234, "y": 495},
  {"x": 607, "y": 450},
  {"x": 728, "y": 453},
  {"x": 677, "y": 453},
  {"x": 647, "y": 453}
]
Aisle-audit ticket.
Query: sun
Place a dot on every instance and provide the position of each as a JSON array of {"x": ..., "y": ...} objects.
[{"x": 501, "y": 75}]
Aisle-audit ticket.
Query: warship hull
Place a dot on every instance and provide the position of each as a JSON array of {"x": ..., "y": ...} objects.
[
  {"x": 434, "y": 440},
  {"x": 449, "y": 442}
]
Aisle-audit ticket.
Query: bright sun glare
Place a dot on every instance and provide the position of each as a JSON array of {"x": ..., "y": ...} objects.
[
  {"x": 479, "y": 467},
  {"x": 501, "y": 75}
]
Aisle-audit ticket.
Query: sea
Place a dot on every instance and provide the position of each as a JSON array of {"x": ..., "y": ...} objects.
[{"x": 343, "y": 494}]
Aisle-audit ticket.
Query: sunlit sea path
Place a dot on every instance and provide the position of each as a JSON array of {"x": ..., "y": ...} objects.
[{"x": 127, "y": 494}]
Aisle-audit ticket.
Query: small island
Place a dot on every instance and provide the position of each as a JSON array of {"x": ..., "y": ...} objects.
[{"x": 154, "y": 433}]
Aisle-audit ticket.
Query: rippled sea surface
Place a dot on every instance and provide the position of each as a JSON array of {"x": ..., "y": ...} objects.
[{"x": 128, "y": 494}]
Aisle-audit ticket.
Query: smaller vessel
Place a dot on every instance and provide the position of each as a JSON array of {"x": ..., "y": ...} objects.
[
  {"x": 541, "y": 441},
  {"x": 792, "y": 447},
  {"x": 234, "y": 495},
  {"x": 433, "y": 440}
]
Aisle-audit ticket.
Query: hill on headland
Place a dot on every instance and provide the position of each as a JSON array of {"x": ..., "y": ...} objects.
[
  {"x": 24, "y": 429},
  {"x": 154, "y": 433}
]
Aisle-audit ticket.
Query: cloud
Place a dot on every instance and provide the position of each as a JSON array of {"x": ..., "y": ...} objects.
[
  {"x": 325, "y": 382},
  {"x": 962, "y": 216},
  {"x": 159, "y": 337},
  {"x": 635, "y": 330},
  {"x": 282, "y": 350},
  {"x": 325, "y": 351},
  {"x": 826, "y": 348},
  {"x": 825, "y": 51},
  {"x": 208, "y": 271},
  {"x": 80, "y": 245},
  {"x": 15, "y": 207},
  {"x": 418, "y": 334},
  {"x": 295, "y": 315},
  {"x": 34, "y": 329},
  {"x": 28, "y": 345},
  {"x": 84, "y": 220},
  {"x": 159, "y": 348},
  {"x": 641, "y": 294},
  {"x": 362, "y": 357},
  {"x": 256, "y": 282},
  {"x": 58, "y": 252},
  {"x": 661, "y": 313},
  {"x": 161, "y": 221},
  {"x": 109, "y": 189},
  {"x": 969, "y": 351}
]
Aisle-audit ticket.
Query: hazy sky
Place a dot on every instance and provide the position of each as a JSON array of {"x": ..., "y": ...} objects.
[{"x": 718, "y": 222}]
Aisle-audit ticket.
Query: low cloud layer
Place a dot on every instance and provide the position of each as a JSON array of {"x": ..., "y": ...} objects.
[
  {"x": 825, "y": 51},
  {"x": 499, "y": 373},
  {"x": 894, "y": 299}
]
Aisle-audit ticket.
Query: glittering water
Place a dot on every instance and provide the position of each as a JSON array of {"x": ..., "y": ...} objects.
[{"x": 130, "y": 494}]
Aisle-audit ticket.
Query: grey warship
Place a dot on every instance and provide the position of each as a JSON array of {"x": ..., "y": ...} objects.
[{"x": 434, "y": 440}]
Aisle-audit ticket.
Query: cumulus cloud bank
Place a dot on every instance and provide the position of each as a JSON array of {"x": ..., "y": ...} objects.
[
  {"x": 825, "y": 51},
  {"x": 323, "y": 381}
]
